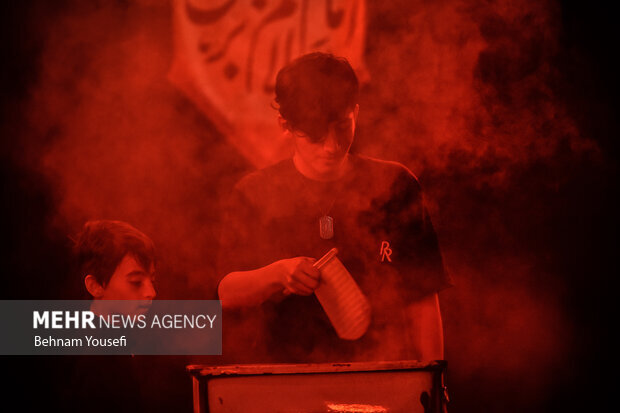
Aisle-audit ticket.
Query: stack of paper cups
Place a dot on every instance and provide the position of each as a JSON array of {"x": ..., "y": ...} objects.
[{"x": 344, "y": 303}]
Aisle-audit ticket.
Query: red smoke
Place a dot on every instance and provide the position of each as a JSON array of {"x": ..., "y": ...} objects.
[
  {"x": 462, "y": 92},
  {"x": 123, "y": 144}
]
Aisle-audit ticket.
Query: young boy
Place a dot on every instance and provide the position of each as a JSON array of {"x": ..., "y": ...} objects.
[
  {"x": 282, "y": 218},
  {"x": 116, "y": 262}
]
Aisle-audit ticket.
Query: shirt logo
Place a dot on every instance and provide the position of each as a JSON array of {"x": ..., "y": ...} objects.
[{"x": 386, "y": 251}]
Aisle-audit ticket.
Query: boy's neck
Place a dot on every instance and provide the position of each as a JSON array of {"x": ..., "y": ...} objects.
[{"x": 311, "y": 173}]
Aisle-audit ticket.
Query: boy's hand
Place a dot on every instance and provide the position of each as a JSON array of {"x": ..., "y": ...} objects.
[{"x": 299, "y": 276}]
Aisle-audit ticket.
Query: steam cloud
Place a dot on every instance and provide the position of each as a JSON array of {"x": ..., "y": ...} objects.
[{"x": 462, "y": 92}]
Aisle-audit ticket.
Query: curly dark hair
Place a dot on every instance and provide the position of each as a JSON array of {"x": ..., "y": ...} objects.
[{"x": 314, "y": 90}]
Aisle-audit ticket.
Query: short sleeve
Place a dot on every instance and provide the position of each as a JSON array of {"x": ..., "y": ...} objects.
[{"x": 415, "y": 248}]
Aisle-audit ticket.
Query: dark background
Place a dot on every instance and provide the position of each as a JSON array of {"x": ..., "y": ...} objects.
[{"x": 572, "y": 232}]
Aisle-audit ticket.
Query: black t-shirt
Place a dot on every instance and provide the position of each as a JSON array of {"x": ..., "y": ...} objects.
[{"x": 385, "y": 240}]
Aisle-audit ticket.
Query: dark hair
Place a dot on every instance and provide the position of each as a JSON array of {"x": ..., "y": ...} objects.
[
  {"x": 102, "y": 244},
  {"x": 314, "y": 90}
]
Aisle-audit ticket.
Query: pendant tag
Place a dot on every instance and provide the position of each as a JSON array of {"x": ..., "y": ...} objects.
[{"x": 326, "y": 227}]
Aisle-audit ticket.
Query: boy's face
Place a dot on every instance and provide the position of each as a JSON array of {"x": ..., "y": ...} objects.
[
  {"x": 324, "y": 159},
  {"x": 130, "y": 281}
]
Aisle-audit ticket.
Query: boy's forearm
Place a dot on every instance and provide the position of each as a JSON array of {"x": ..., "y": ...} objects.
[{"x": 250, "y": 288}]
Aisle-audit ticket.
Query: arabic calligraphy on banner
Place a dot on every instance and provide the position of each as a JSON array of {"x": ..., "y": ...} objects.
[{"x": 227, "y": 54}]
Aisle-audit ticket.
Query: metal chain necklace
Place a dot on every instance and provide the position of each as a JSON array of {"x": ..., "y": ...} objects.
[{"x": 326, "y": 221}]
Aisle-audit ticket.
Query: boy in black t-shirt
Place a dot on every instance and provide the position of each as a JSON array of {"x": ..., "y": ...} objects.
[{"x": 280, "y": 219}]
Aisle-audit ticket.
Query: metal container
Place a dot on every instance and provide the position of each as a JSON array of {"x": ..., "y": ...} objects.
[{"x": 395, "y": 387}]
